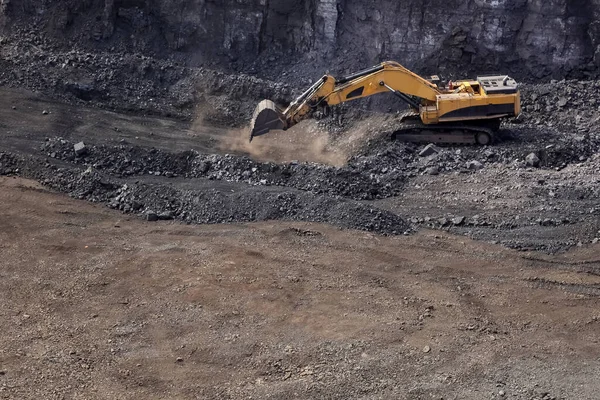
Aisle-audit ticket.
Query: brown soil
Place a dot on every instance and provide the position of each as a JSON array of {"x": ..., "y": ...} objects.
[{"x": 98, "y": 305}]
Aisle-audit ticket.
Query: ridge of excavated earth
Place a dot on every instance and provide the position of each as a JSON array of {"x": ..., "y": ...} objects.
[
  {"x": 202, "y": 201},
  {"x": 536, "y": 188}
]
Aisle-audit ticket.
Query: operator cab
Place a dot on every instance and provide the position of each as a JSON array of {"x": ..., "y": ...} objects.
[
  {"x": 499, "y": 84},
  {"x": 435, "y": 79}
]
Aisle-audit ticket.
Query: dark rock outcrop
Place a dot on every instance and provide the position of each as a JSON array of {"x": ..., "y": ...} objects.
[{"x": 526, "y": 38}]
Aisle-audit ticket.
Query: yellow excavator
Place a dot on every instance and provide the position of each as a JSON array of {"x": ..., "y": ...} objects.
[{"x": 465, "y": 111}]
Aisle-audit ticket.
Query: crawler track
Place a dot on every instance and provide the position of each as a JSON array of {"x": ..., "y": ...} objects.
[{"x": 413, "y": 130}]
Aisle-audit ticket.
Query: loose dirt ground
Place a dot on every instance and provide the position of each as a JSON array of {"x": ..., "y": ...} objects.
[{"x": 97, "y": 305}]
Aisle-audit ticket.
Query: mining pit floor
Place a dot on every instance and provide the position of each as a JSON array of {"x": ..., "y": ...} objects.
[{"x": 100, "y": 304}]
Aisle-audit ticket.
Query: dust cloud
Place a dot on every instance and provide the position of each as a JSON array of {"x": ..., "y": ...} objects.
[
  {"x": 361, "y": 132},
  {"x": 304, "y": 142}
]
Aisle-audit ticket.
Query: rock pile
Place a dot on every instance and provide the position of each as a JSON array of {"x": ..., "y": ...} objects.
[
  {"x": 203, "y": 201},
  {"x": 364, "y": 181},
  {"x": 131, "y": 81},
  {"x": 569, "y": 105}
]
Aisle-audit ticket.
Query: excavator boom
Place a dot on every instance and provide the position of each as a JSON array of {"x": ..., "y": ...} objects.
[{"x": 484, "y": 99}]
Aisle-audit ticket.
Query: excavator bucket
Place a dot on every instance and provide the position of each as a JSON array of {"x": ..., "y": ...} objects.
[{"x": 267, "y": 116}]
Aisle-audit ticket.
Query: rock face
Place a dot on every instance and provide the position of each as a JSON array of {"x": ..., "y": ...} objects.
[{"x": 526, "y": 38}]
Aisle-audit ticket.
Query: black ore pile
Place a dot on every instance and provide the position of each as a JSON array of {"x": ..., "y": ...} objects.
[
  {"x": 185, "y": 189},
  {"x": 357, "y": 181}
]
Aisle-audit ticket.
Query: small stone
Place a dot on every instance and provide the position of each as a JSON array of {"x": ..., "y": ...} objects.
[
  {"x": 151, "y": 216},
  {"x": 596, "y": 240},
  {"x": 14, "y": 107},
  {"x": 458, "y": 220},
  {"x": 562, "y": 101},
  {"x": 426, "y": 349},
  {"x": 544, "y": 90},
  {"x": 429, "y": 150},
  {"x": 432, "y": 171},
  {"x": 443, "y": 221},
  {"x": 45, "y": 112},
  {"x": 532, "y": 160},
  {"x": 545, "y": 222},
  {"x": 165, "y": 215},
  {"x": 474, "y": 165},
  {"x": 489, "y": 154},
  {"x": 179, "y": 359},
  {"x": 80, "y": 148},
  {"x": 502, "y": 393}
]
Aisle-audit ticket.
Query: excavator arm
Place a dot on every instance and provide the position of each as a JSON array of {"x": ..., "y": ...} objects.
[
  {"x": 327, "y": 91},
  {"x": 466, "y": 111}
]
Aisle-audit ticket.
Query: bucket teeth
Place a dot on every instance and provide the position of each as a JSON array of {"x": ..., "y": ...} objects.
[{"x": 267, "y": 116}]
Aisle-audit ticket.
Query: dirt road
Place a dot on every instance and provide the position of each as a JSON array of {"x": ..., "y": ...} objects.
[{"x": 100, "y": 305}]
